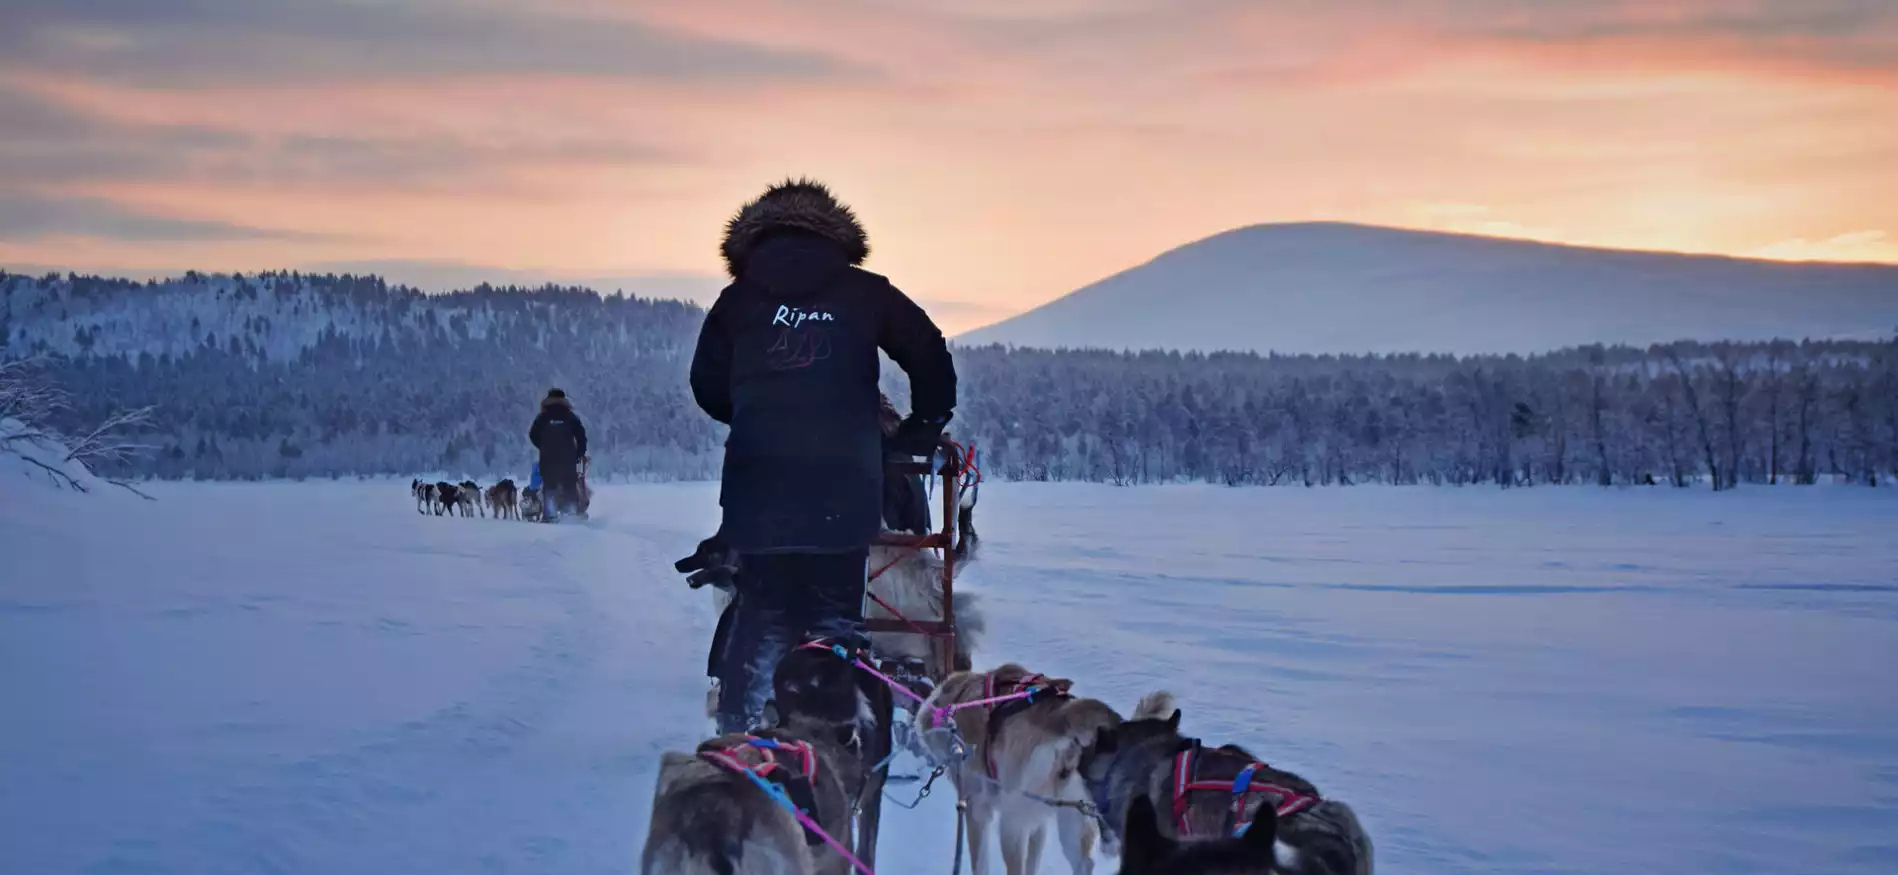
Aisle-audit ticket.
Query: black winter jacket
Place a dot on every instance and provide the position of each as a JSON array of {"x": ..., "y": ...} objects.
[
  {"x": 559, "y": 435},
  {"x": 787, "y": 357}
]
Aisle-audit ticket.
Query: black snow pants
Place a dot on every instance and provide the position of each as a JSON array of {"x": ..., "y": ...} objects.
[
  {"x": 781, "y": 600},
  {"x": 560, "y": 487}
]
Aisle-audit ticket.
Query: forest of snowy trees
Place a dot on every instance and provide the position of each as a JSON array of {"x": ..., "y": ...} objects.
[{"x": 288, "y": 375}]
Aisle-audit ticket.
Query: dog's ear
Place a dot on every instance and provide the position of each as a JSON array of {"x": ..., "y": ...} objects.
[
  {"x": 770, "y": 716},
  {"x": 1264, "y": 831},
  {"x": 1173, "y": 722},
  {"x": 1142, "y": 841}
]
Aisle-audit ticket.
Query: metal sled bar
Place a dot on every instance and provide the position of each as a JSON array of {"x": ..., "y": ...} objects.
[
  {"x": 941, "y": 633},
  {"x": 946, "y": 641}
]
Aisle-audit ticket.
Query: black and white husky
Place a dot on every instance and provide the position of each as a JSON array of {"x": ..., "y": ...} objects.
[{"x": 424, "y": 495}]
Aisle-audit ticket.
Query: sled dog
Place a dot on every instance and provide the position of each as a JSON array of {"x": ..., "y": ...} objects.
[
  {"x": 709, "y": 818},
  {"x": 910, "y": 581},
  {"x": 470, "y": 498},
  {"x": 819, "y": 692},
  {"x": 1147, "y": 756},
  {"x": 1014, "y": 750},
  {"x": 503, "y": 500},
  {"x": 447, "y": 498},
  {"x": 1148, "y": 851}
]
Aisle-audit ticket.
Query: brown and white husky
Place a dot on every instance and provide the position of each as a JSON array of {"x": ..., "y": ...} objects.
[{"x": 1019, "y": 764}]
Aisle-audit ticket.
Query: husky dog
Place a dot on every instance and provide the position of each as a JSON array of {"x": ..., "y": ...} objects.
[
  {"x": 910, "y": 581},
  {"x": 1147, "y": 756},
  {"x": 1148, "y": 851},
  {"x": 470, "y": 498},
  {"x": 1020, "y": 747},
  {"x": 819, "y": 692},
  {"x": 503, "y": 500},
  {"x": 532, "y": 508},
  {"x": 424, "y": 495},
  {"x": 710, "y": 819},
  {"x": 447, "y": 498}
]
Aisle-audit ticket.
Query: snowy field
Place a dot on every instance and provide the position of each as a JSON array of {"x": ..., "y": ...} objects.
[{"x": 312, "y": 678}]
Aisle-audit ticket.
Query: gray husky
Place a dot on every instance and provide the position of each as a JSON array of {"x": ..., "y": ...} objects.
[
  {"x": 1147, "y": 756},
  {"x": 709, "y": 817}
]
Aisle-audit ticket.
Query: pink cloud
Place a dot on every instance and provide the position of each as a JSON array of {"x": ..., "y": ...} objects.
[{"x": 1003, "y": 153}]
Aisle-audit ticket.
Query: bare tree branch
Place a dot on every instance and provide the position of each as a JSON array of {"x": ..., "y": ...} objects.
[
  {"x": 27, "y": 396},
  {"x": 130, "y": 488},
  {"x": 58, "y": 475},
  {"x": 103, "y": 444}
]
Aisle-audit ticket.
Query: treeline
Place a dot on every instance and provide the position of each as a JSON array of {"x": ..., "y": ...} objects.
[
  {"x": 291, "y": 375},
  {"x": 1681, "y": 414},
  {"x": 288, "y": 375}
]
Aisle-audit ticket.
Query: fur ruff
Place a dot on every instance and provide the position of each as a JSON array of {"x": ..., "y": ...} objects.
[{"x": 794, "y": 204}]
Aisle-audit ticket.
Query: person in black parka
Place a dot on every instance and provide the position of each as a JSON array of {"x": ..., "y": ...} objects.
[
  {"x": 562, "y": 440},
  {"x": 787, "y": 357}
]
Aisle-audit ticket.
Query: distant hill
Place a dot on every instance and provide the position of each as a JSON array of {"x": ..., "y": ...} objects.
[{"x": 1341, "y": 288}]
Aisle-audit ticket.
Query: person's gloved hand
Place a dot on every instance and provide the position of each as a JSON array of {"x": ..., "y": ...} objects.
[{"x": 918, "y": 437}]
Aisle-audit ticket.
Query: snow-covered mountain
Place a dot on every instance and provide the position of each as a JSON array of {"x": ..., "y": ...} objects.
[{"x": 1341, "y": 288}]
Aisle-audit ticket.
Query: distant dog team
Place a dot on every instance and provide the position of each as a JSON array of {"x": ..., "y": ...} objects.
[{"x": 501, "y": 501}]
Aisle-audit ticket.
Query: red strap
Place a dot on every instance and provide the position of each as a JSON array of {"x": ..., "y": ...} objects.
[
  {"x": 1182, "y": 784},
  {"x": 988, "y": 692},
  {"x": 735, "y": 756},
  {"x": 1289, "y": 801}
]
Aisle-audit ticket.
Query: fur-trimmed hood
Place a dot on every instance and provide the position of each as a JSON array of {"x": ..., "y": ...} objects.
[
  {"x": 556, "y": 403},
  {"x": 795, "y": 204}
]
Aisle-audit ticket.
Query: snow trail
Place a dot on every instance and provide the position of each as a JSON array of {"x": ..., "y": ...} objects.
[{"x": 314, "y": 678}]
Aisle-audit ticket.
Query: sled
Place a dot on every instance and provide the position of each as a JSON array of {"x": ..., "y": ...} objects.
[
  {"x": 583, "y": 492},
  {"x": 954, "y": 464}
]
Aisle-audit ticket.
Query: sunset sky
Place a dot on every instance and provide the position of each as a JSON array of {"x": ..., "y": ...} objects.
[{"x": 1000, "y": 152}]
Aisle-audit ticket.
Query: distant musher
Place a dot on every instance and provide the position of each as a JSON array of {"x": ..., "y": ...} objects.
[{"x": 562, "y": 440}]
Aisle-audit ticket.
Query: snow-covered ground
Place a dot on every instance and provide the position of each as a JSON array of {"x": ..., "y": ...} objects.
[{"x": 312, "y": 678}]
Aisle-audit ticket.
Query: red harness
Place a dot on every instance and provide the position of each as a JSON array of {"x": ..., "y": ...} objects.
[
  {"x": 1285, "y": 800},
  {"x": 760, "y": 756},
  {"x": 1033, "y": 684},
  {"x": 791, "y": 765}
]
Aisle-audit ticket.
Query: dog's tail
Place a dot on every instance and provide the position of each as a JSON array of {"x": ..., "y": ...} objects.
[
  {"x": 1326, "y": 838},
  {"x": 1157, "y": 705},
  {"x": 966, "y": 538},
  {"x": 970, "y": 627}
]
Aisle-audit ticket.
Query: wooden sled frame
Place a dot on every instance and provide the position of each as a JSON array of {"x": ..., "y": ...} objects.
[{"x": 941, "y": 633}]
